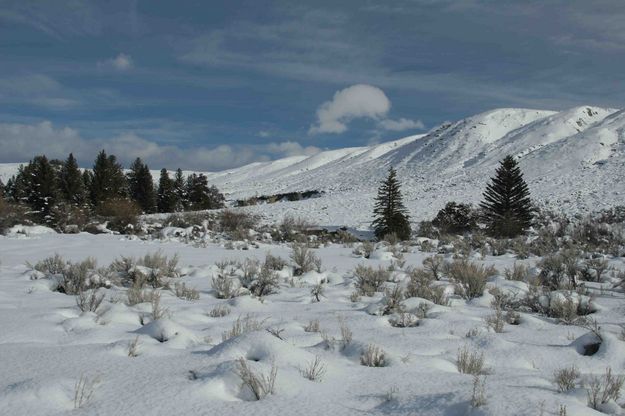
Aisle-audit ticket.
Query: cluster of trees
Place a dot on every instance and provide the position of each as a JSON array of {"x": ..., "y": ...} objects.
[
  {"x": 51, "y": 188},
  {"x": 506, "y": 208}
]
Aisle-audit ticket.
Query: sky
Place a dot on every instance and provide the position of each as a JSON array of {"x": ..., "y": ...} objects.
[{"x": 211, "y": 85}]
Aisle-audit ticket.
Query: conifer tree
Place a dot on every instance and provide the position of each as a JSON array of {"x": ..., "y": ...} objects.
[
  {"x": 39, "y": 187},
  {"x": 107, "y": 180},
  {"x": 71, "y": 182},
  {"x": 507, "y": 206},
  {"x": 141, "y": 186},
  {"x": 390, "y": 214},
  {"x": 180, "y": 189},
  {"x": 200, "y": 196},
  {"x": 166, "y": 195}
]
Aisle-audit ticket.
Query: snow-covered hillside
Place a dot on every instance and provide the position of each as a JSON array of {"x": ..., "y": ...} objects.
[{"x": 573, "y": 160}]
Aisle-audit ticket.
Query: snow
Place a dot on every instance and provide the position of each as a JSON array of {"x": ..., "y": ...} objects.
[{"x": 183, "y": 366}]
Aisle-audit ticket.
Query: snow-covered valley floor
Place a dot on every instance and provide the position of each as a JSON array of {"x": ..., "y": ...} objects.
[{"x": 47, "y": 345}]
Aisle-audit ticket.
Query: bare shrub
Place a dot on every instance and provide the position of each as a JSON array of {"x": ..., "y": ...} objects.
[
  {"x": 237, "y": 222},
  {"x": 293, "y": 228},
  {"x": 599, "y": 266},
  {"x": 12, "y": 214},
  {"x": 137, "y": 295},
  {"x": 183, "y": 292},
  {"x": 552, "y": 271},
  {"x": 133, "y": 347},
  {"x": 89, "y": 300},
  {"x": 470, "y": 362},
  {"x": 346, "y": 333},
  {"x": 84, "y": 390},
  {"x": 565, "y": 379},
  {"x": 496, "y": 320},
  {"x": 121, "y": 214},
  {"x": 50, "y": 265},
  {"x": 314, "y": 370},
  {"x": 478, "y": 394},
  {"x": 261, "y": 385},
  {"x": 224, "y": 286},
  {"x": 242, "y": 326},
  {"x": 601, "y": 390},
  {"x": 250, "y": 269},
  {"x": 392, "y": 300},
  {"x": 373, "y": 356},
  {"x": 317, "y": 291},
  {"x": 219, "y": 311},
  {"x": 276, "y": 263},
  {"x": 433, "y": 265},
  {"x": 304, "y": 259},
  {"x": 420, "y": 286},
  {"x": 519, "y": 272},
  {"x": 470, "y": 278},
  {"x": 370, "y": 280},
  {"x": 77, "y": 277},
  {"x": 312, "y": 326},
  {"x": 158, "y": 312},
  {"x": 266, "y": 283}
]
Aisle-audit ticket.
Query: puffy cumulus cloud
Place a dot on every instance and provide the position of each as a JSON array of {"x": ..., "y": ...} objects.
[
  {"x": 20, "y": 142},
  {"x": 122, "y": 62},
  {"x": 401, "y": 124},
  {"x": 357, "y": 101}
]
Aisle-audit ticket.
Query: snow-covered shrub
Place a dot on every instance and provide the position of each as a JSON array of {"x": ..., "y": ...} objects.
[
  {"x": 478, "y": 394},
  {"x": 183, "y": 292},
  {"x": 601, "y": 390},
  {"x": 293, "y": 228},
  {"x": 84, "y": 390},
  {"x": 151, "y": 269},
  {"x": 237, "y": 223},
  {"x": 404, "y": 320},
  {"x": 276, "y": 263},
  {"x": 50, "y": 265},
  {"x": 370, "y": 280},
  {"x": 304, "y": 259},
  {"x": 316, "y": 291},
  {"x": 599, "y": 266},
  {"x": 565, "y": 378},
  {"x": 496, "y": 320},
  {"x": 260, "y": 385},
  {"x": 373, "y": 356},
  {"x": 136, "y": 295},
  {"x": 419, "y": 286},
  {"x": 89, "y": 300},
  {"x": 242, "y": 326},
  {"x": 470, "y": 278},
  {"x": 266, "y": 283},
  {"x": 519, "y": 272},
  {"x": 470, "y": 362},
  {"x": 314, "y": 370},
  {"x": 392, "y": 300},
  {"x": 219, "y": 311},
  {"x": 433, "y": 265},
  {"x": 364, "y": 249},
  {"x": 78, "y": 277},
  {"x": 158, "y": 312},
  {"x": 312, "y": 326},
  {"x": 133, "y": 347},
  {"x": 225, "y": 286}
]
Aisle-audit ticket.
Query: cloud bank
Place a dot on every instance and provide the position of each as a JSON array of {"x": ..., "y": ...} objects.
[
  {"x": 358, "y": 101},
  {"x": 20, "y": 142}
]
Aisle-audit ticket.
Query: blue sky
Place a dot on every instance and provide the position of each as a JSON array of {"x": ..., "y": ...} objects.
[{"x": 211, "y": 85}]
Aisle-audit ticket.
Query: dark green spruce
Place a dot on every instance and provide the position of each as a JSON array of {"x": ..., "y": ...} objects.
[{"x": 390, "y": 214}]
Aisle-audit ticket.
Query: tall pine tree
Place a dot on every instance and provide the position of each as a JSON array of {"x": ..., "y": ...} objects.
[
  {"x": 71, "y": 182},
  {"x": 167, "y": 199},
  {"x": 182, "y": 197},
  {"x": 40, "y": 187},
  {"x": 107, "y": 180},
  {"x": 390, "y": 214},
  {"x": 141, "y": 186},
  {"x": 507, "y": 206},
  {"x": 202, "y": 197}
]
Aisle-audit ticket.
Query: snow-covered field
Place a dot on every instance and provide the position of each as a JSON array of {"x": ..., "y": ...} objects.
[{"x": 182, "y": 366}]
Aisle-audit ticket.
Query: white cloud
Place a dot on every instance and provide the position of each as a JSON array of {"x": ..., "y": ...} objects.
[
  {"x": 122, "y": 62},
  {"x": 401, "y": 124},
  {"x": 20, "y": 142},
  {"x": 357, "y": 101}
]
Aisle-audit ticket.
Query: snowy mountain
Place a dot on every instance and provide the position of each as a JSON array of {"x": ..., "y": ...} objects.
[{"x": 573, "y": 161}]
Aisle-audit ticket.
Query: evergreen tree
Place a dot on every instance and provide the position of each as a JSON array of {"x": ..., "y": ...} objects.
[
  {"x": 71, "y": 182},
  {"x": 141, "y": 186},
  {"x": 167, "y": 199},
  {"x": 200, "y": 196},
  {"x": 107, "y": 180},
  {"x": 507, "y": 206},
  {"x": 39, "y": 187},
  {"x": 1, "y": 189},
  {"x": 180, "y": 189},
  {"x": 390, "y": 214}
]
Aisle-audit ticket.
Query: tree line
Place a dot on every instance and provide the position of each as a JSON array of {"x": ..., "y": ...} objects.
[{"x": 53, "y": 188}]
